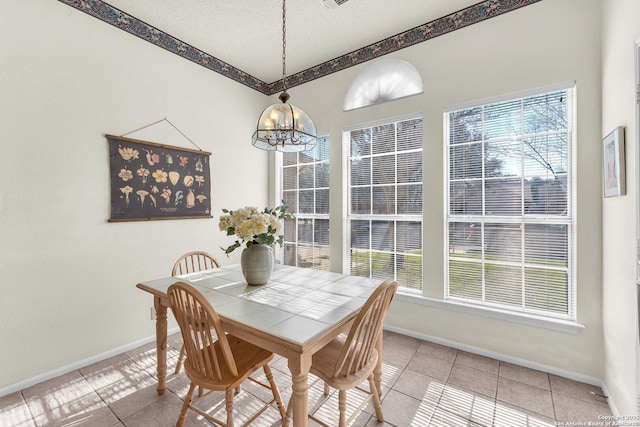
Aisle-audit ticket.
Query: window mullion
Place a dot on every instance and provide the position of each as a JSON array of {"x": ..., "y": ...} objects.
[
  {"x": 523, "y": 283},
  {"x": 483, "y": 210},
  {"x": 522, "y": 266}
]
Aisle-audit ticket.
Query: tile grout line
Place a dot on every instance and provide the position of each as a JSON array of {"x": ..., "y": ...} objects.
[
  {"x": 98, "y": 394},
  {"x": 391, "y": 388},
  {"x": 553, "y": 401},
  {"x": 24, "y": 399}
]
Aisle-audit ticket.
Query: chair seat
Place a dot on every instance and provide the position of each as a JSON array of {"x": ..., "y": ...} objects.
[
  {"x": 324, "y": 363},
  {"x": 248, "y": 358}
]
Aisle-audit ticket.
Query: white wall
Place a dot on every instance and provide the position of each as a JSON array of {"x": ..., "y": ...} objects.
[
  {"x": 67, "y": 276},
  {"x": 621, "y": 28},
  {"x": 532, "y": 47}
]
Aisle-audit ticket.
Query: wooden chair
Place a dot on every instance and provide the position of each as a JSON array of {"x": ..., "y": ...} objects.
[
  {"x": 192, "y": 262},
  {"x": 220, "y": 364},
  {"x": 348, "y": 361}
]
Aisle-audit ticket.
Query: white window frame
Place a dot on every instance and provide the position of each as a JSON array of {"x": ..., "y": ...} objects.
[
  {"x": 347, "y": 216},
  {"x": 564, "y": 321}
]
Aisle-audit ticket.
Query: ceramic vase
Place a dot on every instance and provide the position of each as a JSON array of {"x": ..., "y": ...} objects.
[{"x": 257, "y": 264}]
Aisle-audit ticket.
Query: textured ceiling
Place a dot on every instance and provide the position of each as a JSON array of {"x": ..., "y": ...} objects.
[{"x": 247, "y": 34}]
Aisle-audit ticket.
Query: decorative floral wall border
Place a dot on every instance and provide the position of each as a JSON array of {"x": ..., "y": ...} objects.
[{"x": 471, "y": 15}]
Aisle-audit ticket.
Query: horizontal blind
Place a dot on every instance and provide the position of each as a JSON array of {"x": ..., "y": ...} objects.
[
  {"x": 510, "y": 213},
  {"x": 305, "y": 189},
  {"x": 385, "y": 201}
]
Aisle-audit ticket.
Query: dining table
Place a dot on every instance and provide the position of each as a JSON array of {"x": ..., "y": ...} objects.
[{"x": 294, "y": 315}]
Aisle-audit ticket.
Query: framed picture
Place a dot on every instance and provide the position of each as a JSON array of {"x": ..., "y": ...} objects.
[
  {"x": 156, "y": 181},
  {"x": 613, "y": 163}
]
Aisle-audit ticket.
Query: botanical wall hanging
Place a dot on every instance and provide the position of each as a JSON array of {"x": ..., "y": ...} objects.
[{"x": 156, "y": 181}]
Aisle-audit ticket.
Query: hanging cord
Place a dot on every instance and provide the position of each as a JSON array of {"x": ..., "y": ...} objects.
[
  {"x": 174, "y": 126},
  {"x": 284, "y": 46}
]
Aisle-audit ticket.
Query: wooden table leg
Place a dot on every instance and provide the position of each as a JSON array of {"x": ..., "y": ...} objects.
[
  {"x": 161, "y": 344},
  {"x": 377, "y": 372},
  {"x": 299, "y": 367}
]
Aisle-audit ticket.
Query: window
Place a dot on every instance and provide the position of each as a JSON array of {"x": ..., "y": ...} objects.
[
  {"x": 305, "y": 189},
  {"x": 383, "y": 81},
  {"x": 385, "y": 202},
  {"x": 510, "y": 218}
]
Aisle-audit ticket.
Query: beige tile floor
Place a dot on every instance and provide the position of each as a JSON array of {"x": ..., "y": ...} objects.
[{"x": 424, "y": 384}]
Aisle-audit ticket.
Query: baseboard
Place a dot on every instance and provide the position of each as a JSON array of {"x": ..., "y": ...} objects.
[
  {"x": 513, "y": 360},
  {"x": 612, "y": 406},
  {"x": 29, "y": 382}
]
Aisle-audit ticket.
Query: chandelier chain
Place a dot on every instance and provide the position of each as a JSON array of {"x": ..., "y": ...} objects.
[{"x": 284, "y": 45}]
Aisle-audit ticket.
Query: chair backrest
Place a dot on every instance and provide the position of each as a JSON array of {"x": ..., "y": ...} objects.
[
  {"x": 366, "y": 328},
  {"x": 198, "y": 323},
  {"x": 194, "y": 261}
]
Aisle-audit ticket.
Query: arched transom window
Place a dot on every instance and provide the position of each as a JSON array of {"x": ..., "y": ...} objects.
[{"x": 383, "y": 81}]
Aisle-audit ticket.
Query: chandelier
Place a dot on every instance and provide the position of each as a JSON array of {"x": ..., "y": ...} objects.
[{"x": 282, "y": 126}]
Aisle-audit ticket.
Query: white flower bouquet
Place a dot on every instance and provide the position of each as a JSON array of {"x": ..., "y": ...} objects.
[{"x": 254, "y": 227}]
